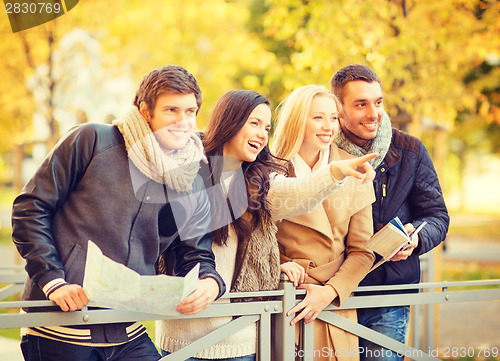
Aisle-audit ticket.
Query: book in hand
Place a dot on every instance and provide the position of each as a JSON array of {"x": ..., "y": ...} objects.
[{"x": 391, "y": 239}]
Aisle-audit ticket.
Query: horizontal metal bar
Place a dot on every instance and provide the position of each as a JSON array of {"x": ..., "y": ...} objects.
[
  {"x": 274, "y": 305},
  {"x": 254, "y": 294},
  {"x": 13, "y": 278},
  {"x": 356, "y": 301},
  {"x": 20, "y": 277},
  {"x": 226, "y": 309},
  {"x": 422, "y": 286},
  {"x": 83, "y": 317},
  {"x": 418, "y": 298},
  {"x": 425, "y": 285},
  {"x": 22, "y": 304},
  {"x": 10, "y": 290},
  {"x": 11, "y": 267}
]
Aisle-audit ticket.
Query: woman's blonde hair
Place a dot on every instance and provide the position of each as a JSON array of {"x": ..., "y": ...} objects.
[{"x": 292, "y": 119}]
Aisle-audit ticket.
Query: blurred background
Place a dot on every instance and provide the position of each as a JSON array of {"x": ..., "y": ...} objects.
[{"x": 439, "y": 62}]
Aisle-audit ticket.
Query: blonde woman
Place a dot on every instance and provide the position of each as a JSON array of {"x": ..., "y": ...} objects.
[{"x": 328, "y": 241}]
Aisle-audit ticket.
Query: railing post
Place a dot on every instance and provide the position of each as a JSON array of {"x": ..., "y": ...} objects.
[
  {"x": 306, "y": 341},
  {"x": 285, "y": 333},
  {"x": 430, "y": 326},
  {"x": 264, "y": 336}
]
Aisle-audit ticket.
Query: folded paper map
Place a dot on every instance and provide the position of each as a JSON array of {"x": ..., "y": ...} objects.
[{"x": 112, "y": 285}]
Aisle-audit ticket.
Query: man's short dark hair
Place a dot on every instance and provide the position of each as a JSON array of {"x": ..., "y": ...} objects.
[
  {"x": 348, "y": 73},
  {"x": 167, "y": 79}
]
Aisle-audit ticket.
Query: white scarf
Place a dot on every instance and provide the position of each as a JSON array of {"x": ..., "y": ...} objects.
[
  {"x": 301, "y": 167},
  {"x": 177, "y": 169}
]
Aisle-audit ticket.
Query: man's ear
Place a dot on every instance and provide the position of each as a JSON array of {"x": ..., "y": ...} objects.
[
  {"x": 143, "y": 109},
  {"x": 342, "y": 121},
  {"x": 341, "y": 115}
]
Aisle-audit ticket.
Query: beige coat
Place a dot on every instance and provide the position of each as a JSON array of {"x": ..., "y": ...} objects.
[{"x": 330, "y": 243}]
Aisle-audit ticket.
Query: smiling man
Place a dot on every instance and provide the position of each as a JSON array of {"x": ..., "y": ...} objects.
[
  {"x": 363, "y": 111},
  {"x": 406, "y": 185},
  {"x": 86, "y": 189}
]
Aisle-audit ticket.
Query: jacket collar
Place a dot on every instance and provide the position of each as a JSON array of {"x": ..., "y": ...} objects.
[{"x": 392, "y": 158}]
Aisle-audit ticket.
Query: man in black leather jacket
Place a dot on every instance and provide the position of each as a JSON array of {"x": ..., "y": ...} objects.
[
  {"x": 406, "y": 185},
  {"x": 133, "y": 189}
]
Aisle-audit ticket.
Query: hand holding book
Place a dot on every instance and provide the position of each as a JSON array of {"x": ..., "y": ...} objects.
[
  {"x": 414, "y": 235},
  {"x": 393, "y": 242},
  {"x": 407, "y": 249}
]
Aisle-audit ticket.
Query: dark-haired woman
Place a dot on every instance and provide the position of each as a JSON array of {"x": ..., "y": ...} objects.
[{"x": 247, "y": 196}]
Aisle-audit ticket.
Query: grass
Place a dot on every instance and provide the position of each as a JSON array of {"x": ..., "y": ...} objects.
[
  {"x": 5, "y": 235},
  {"x": 14, "y": 333},
  {"x": 475, "y": 227},
  {"x": 477, "y": 232},
  {"x": 468, "y": 271},
  {"x": 7, "y": 196},
  {"x": 459, "y": 271},
  {"x": 150, "y": 326}
]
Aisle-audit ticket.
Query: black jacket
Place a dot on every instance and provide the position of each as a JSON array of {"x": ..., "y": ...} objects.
[
  {"x": 86, "y": 189},
  {"x": 407, "y": 186}
]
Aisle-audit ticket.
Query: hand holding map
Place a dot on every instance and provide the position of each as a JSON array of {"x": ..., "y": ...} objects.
[{"x": 112, "y": 285}]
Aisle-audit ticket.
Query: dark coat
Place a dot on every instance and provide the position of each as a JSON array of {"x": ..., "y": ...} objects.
[
  {"x": 407, "y": 186},
  {"x": 86, "y": 189}
]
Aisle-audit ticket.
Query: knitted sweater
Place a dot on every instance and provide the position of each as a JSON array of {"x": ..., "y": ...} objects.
[{"x": 288, "y": 197}]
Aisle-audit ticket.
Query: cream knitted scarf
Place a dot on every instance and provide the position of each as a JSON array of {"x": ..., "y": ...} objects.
[
  {"x": 177, "y": 169},
  {"x": 379, "y": 145}
]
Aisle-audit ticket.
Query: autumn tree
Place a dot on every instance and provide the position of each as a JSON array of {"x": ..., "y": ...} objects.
[
  {"x": 421, "y": 50},
  {"x": 208, "y": 38}
]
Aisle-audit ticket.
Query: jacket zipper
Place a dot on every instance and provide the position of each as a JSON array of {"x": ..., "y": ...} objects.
[{"x": 384, "y": 193}]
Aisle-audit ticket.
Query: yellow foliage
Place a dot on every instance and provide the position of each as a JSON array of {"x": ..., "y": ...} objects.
[{"x": 421, "y": 49}]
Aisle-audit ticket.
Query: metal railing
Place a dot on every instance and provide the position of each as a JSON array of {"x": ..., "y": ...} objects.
[
  {"x": 14, "y": 278},
  {"x": 444, "y": 295},
  {"x": 246, "y": 313}
]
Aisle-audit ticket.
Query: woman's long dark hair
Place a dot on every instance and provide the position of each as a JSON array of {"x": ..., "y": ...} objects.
[{"x": 228, "y": 117}]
